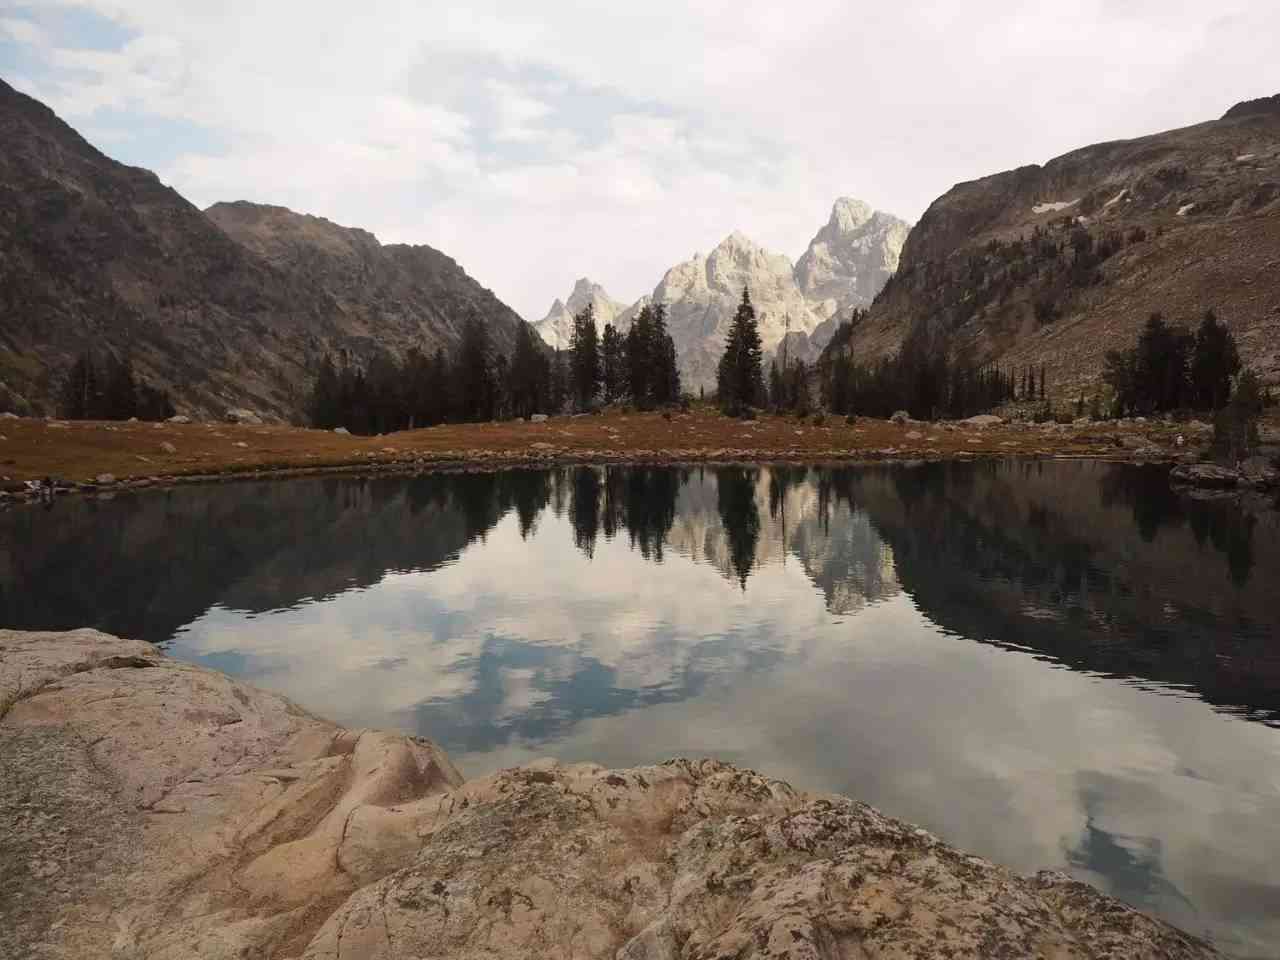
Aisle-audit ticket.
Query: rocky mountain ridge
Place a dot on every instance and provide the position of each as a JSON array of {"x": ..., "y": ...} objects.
[
  {"x": 228, "y": 310},
  {"x": 844, "y": 266},
  {"x": 1057, "y": 264},
  {"x": 556, "y": 328}
]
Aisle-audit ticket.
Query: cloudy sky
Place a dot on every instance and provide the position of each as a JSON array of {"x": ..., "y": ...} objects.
[{"x": 539, "y": 142}]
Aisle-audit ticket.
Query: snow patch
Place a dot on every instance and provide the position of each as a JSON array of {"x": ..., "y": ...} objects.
[
  {"x": 1116, "y": 199},
  {"x": 1053, "y": 206},
  {"x": 1185, "y": 209}
]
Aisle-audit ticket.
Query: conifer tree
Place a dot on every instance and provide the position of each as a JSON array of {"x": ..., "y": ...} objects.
[
  {"x": 1215, "y": 361},
  {"x": 120, "y": 398},
  {"x": 473, "y": 372},
  {"x": 584, "y": 358},
  {"x": 638, "y": 359},
  {"x": 612, "y": 364},
  {"x": 528, "y": 375},
  {"x": 80, "y": 392},
  {"x": 664, "y": 385},
  {"x": 739, "y": 378},
  {"x": 325, "y": 407}
]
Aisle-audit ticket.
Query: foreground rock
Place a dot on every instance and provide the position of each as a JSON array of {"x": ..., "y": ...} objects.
[{"x": 157, "y": 809}]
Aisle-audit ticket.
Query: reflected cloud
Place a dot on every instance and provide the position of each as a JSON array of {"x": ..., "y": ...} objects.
[{"x": 1046, "y": 663}]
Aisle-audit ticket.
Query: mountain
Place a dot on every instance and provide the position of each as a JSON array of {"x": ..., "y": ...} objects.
[
  {"x": 844, "y": 266},
  {"x": 96, "y": 254},
  {"x": 556, "y": 328},
  {"x": 851, "y": 258},
  {"x": 1057, "y": 264},
  {"x": 391, "y": 296}
]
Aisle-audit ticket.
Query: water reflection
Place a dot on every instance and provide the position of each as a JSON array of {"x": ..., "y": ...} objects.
[{"x": 1054, "y": 664}]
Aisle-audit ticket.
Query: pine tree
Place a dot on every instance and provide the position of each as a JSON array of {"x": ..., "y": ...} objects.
[
  {"x": 584, "y": 358},
  {"x": 325, "y": 406},
  {"x": 528, "y": 375},
  {"x": 558, "y": 391},
  {"x": 739, "y": 378},
  {"x": 612, "y": 364},
  {"x": 473, "y": 373},
  {"x": 80, "y": 392},
  {"x": 120, "y": 397},
  {"x": 664, "y": 386},
  {"x": 638, "y": 359},
  {"x": 1215, "y": 361}
]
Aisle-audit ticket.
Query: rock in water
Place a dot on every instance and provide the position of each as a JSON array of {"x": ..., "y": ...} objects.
[
  {"x": 228, "y": 822},
  {"x": 1205, "y": 475}
]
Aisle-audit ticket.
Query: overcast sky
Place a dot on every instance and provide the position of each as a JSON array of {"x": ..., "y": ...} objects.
[{"x": 537, "y": 142}]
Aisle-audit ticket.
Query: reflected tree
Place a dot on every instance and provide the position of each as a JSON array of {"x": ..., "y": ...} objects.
[
  {"x": 584, "y": 508},
  {"x": 529, "y": 491},
  {"x": 740, "y": 517},
  {"x": 651, "y": 507}
]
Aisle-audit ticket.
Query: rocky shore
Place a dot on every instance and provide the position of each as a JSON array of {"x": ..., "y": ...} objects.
[
  {"x": 102, "y": 458},
  {"x": 158, "y": 809}
]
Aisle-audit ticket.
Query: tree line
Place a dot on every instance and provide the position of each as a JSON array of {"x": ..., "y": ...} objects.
[
  {"x": 108, "y": 389},
  {"x": 638, "y": 367},
  {"x": 1170, "y": 368},
  {"x": 924, "y": 378},
  {"x": 478, "y": 383}
]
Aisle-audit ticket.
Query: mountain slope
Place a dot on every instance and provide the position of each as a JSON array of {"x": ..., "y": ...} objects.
[
  {"x": 390, "y": 296},
  {"x": 1057, "y": 264},
  {"x": 96, "y": 254},
  {"x": 556, "y": 328}
]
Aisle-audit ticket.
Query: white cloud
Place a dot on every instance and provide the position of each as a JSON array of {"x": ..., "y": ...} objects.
[{"x": 537, "y": 143}]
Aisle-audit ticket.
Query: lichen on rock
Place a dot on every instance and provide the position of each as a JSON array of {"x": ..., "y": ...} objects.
[{"x": 228, "y": 822}]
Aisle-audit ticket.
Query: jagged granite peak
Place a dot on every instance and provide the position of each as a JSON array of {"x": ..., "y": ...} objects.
[
  {"x": 556, "y": 328},
  {"x": 703, "y": 292},
  {"x": 851, "y": 257}
]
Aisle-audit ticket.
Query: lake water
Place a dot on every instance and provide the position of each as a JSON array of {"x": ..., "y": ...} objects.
[{"x": 1056, "y": 664}]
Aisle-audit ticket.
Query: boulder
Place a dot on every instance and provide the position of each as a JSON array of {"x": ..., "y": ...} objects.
[
  {"x": 983, "y": 420},
  {"x": 900, "y": 417},
  {"x": 9, "y": 415},
  {"x": 105, "y": 479},
  {"x": 168, "y": 447},
  {"x": 537, "y": 417},
  {"x": 241, "y": 415},
  {"x": 1260, "y": 471},
  {"x": 179, "y": 419},
  {"x": 1205, "y": 475},
  {"x": 228, "y": 822},
  {"x": 342, "y": 431}
]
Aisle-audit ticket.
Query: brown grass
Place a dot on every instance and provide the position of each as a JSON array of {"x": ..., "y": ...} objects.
[{"x": 80, "y": 451}]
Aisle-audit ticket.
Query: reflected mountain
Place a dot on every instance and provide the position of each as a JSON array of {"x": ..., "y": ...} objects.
[
  {"x": 1102, "y": 567},
  {"x": 1017, "y": 655}
]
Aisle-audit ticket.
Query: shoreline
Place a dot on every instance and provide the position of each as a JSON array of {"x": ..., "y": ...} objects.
[{"x": 96, "y": 456}]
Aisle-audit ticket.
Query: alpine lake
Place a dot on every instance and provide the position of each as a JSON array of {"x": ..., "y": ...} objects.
[{"x": 1057, "y": 664}]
